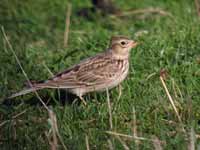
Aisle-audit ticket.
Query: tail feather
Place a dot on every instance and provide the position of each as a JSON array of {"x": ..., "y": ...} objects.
[{"x": 23, "y": 92}]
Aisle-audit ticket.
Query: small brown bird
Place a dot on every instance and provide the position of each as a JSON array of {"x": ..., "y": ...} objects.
[{"x": 103, "y": 71}]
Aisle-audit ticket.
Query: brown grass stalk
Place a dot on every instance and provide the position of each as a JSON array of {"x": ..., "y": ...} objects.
[
  {"x": 54, "y": 143},
  {"x": 19, "y": 63},
  {"x": 87, "y": 142},
  {"x": 109, "y": 109},
  {"x": 197, "y": 4},
  {"x": 123, "y": 143},
  {"x": 192, "y": 139},
  {"x": 110, "y": 145},
  {"x": 51, "y": 113},
  {"x": 145, "y": 11},
  {"x": 67, "y": 24},
  {"x": 129, "y": 136},
  {"x": 157, "y": 143},
  {"x": 137, "y": 142},
  {"x": 55, "y": 130},
  {"x": 170, "y": 98}
]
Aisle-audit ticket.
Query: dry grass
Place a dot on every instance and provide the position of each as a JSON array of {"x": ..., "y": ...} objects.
[
  {"x": 165, "y": 42},
  {"x": 67, "y": 24}
]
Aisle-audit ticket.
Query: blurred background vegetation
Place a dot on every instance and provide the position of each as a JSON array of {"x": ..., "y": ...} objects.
[{"x": 169, "y": 33}]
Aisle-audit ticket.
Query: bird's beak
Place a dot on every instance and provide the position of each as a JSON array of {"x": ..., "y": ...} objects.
[{"x": 134, "y": 44}]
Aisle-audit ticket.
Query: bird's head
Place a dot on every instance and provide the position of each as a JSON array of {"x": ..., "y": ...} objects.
[{"x": 120, "y": 46}]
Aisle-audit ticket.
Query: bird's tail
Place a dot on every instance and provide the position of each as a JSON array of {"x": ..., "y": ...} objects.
[{"x": 25, "y": 91}]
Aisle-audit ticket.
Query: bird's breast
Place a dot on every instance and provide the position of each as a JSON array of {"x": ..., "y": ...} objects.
[{"x": 123, "y": 67}]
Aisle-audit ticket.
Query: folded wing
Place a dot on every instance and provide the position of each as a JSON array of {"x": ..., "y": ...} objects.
[{"x": 91, "y": 72}]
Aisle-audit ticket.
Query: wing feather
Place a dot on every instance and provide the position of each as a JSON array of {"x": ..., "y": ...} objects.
[{"x": 93, "y": 71}]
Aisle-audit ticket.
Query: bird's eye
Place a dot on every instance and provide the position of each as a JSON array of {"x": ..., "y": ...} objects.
[{"x": 123, "y": 43}]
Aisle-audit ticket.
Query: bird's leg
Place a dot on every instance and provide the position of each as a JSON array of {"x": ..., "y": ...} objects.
[
  {"x": 120, "y": 91},
  {"x": 119, "y": 87},
  {"x": 82, "y": 99}
]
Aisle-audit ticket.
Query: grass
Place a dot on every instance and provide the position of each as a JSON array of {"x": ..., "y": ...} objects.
[{"x": 36, "y": 32}]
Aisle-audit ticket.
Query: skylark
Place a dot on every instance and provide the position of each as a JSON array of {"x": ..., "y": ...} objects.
[{"x": 103, "y": 71}]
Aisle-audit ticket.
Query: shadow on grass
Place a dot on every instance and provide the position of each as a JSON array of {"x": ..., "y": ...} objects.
[{"x": 60, "y": 97}]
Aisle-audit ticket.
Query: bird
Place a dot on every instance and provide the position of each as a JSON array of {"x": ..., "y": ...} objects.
[{"x": 103, "y": 71}]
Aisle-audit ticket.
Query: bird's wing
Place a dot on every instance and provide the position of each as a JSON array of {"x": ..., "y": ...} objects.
[{"x": 93, "y": 71}]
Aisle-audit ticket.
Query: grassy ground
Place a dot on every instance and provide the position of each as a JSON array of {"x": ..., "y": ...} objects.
[{"x": 36, "y": 29}]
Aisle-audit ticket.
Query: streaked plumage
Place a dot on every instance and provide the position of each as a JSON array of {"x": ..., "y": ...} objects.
[{"x": 105, "y": 70}]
